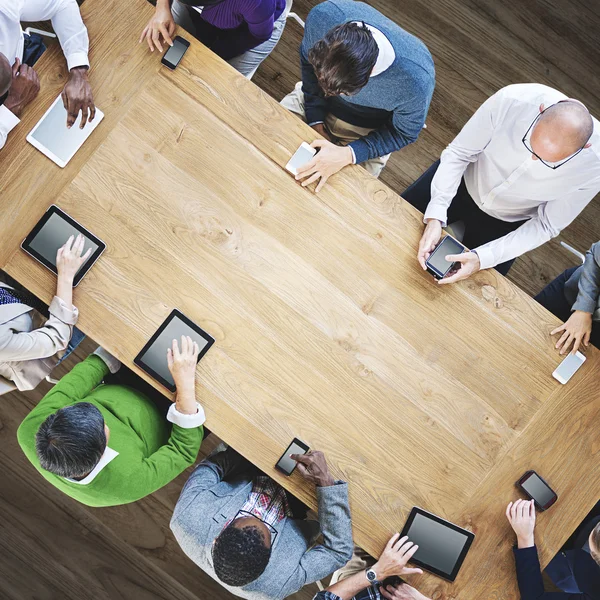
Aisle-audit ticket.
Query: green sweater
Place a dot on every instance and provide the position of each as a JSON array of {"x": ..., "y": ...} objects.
[{"x": 150, "y": 456}]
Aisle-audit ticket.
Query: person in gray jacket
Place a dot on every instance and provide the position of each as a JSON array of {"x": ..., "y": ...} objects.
[
  {"x": 244, "y": 530},
  {"x": 574, "y": 297},
  {"x": 29, "y": 347}
]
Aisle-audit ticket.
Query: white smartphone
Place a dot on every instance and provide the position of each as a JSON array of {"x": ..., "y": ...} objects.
[
  {"x": 300, "y": 158},
  {"x": 568, "y": 367}
]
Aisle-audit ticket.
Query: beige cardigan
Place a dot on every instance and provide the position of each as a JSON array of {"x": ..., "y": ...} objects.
[{"x": 28, "y": 355}]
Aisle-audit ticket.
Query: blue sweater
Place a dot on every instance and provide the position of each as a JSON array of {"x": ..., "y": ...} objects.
[{"x": 394, "y": 103}]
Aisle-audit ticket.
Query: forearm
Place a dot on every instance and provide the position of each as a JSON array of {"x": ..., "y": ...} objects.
[
  {"x": 381, "y": 142},
  {"x": 64, "y": 290},
  {"x": 349, "y": 587},
  {"x": 589, "y": 283}
]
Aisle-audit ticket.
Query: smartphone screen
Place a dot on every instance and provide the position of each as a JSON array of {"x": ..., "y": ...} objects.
[
  {"x": 569, "y": 366},
  {"x": 286, "y": 463},
  {"x": 175, "y": 53},
  {"x": 438, "y": 261},
  {"x": 538, "y": 490}
]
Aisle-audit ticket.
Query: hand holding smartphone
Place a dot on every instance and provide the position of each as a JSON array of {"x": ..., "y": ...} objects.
[
  {"x": 286, "y": 464},
  {"x": 300, "y": 158},
  {"x": 437, "y": 264},
  {"x": 536, "y": 489}
]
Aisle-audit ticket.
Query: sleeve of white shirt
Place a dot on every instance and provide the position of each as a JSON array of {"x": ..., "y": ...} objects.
[
  {"x": 8, "y": 122},
  {"x": 67, "y": 23},
  {"x": 463, "y": 150},
  {"x": 551, "y": 219},
  {"x": 184, "y": 420}
]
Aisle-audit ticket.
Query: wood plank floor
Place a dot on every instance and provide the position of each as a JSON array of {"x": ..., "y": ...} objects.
[{"x": 52, "y": 548}]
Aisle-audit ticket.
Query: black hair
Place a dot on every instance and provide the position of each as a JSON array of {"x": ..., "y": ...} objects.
[
  {"x": 240, "y": 555},
  {"x": 70, "y": 443},
  {"x": 344, "y": 59}
]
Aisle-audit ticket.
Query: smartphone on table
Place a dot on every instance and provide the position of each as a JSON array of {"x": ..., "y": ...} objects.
[
  {"x": 174, "y": 54},
  {"x": 300, "y": 158},
  {"x": 537, "y": 490},
  {"x": 437, "y": 264},
  {"x": 286, "y": 464},
  {"x": 568, "y": 367}
]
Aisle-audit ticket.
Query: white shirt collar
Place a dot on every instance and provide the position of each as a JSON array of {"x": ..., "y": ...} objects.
[
  {"x": 108, "y": 455},
  {"x": 386, "y": 51}
]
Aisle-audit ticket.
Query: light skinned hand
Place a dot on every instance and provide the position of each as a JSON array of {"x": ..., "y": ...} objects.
[
  {"x": 521, "y": 516},
  {"x": 313, "y": 467},
  {"x": 325, "y": 163},
  {"x": 182, "y": 363},
  {"x": 401, "y": 592},
  {"x": 160, "y": 25},
  {"x": 69, "y": 258},
  {"x": 577, "y": 329},
  {"x": 469, "y": 264},
  {"x": 431, "y": 236},
  {"x": 398, "y": 551}
]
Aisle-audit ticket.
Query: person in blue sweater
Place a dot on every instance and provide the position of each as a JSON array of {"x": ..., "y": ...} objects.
[{"x": 366, "y": 88}]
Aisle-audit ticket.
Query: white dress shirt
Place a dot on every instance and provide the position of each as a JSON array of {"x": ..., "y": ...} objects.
[
  {"x": 506, "y": 182},
  {"x": 66, "y": 22}
]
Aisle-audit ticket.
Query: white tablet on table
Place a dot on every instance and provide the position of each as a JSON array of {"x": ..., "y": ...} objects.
[{"x": 52, "y": 137}]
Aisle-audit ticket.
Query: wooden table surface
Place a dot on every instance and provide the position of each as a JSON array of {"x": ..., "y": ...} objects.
[{"x": 325, "y": 326}]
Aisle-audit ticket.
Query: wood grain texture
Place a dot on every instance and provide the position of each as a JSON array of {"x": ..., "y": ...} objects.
[{"x": 326, "y": 328}]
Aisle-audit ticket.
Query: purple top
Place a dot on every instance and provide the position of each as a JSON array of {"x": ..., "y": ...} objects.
[{"x": 232, "y": 27}]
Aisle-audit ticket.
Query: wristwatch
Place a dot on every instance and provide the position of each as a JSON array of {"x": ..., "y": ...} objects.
[{"x": 372, "y": 577}]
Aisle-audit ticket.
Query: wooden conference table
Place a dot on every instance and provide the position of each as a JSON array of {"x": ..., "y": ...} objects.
[{"x": 325, "y": 327}]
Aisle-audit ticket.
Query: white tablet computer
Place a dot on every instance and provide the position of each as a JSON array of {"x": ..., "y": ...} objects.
[{"x": 52, "y": 137}]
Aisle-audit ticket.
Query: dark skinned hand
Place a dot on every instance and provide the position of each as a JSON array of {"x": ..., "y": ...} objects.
[
  {"x": 23, "y": 89},
  {"x": 313, "y": 467},
  {"x": 322, "y": 131},
  {"x": 77, "y": 96}
]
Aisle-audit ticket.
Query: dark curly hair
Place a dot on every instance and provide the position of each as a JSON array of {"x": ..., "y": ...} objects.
[
  {"x": 240, "y": 555},
  {"x": 344, "y": 58}
]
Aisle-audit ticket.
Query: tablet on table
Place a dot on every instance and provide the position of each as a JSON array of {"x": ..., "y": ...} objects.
[
  {"x": 51, "y": 232},
  {"x": 153, "y": 356}
]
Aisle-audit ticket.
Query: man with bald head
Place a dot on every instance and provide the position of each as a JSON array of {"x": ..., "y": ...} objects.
[
  {"x": 19, "y": 83},
  {"x": 522, "y": 168}
]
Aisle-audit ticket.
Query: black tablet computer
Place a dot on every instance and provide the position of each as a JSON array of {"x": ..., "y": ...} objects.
[
  {"x": 51, "y": 232},
  {"x": 153, "y": 356},
  {"x": 443, "y": 546}
]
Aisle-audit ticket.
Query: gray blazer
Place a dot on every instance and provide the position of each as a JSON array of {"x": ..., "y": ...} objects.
[
  {"x": 582, "y": 289},
  {"x": 29, "y": 353},
  {"x": 214, "y": 494}
]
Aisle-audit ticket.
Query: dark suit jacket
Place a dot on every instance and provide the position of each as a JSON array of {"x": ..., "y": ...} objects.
[{"x": 531, "y": 585}]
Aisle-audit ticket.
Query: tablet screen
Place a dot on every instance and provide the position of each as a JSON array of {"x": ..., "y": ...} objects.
[
  {"x": 53, "y": 235},
  {"x": 442, "y": 545},
  {"x": 52, "y": 133},
  {"x": 153, "y": 358}
]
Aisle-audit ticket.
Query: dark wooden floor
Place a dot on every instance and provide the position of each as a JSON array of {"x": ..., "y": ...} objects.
[{"x": 52, "y": 548}]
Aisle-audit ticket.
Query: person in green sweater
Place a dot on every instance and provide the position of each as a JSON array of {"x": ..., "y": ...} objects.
[{"x": 106, "y": 445}]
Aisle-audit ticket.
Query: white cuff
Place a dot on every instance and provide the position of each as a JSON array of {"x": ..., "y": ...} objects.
[
  {"x": 184, "y": 420},
  {"x": 435, "y": 211},
  {"x": 8, "y": 121},
  {"x": 486, "y": 257},
  {"x": 61, "y": 311},
  {"x": 77, "y": 59},
  {"x": 316, "y": 123},
  {"x": 109, "y": 360}
]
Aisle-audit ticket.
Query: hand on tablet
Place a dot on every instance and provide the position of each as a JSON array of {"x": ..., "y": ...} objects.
[
  {"x": 69, "y": 258},
  {"x": 394, "y": 558},
  {"x": 521, "y": 516},
  {"x": 182, "y": 365},
  {"x": 77, "y": 96}
]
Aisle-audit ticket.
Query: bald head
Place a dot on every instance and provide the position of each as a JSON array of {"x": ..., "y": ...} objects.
[
  {"x": 561, "y": 131},
  {"x": 5, "y": 75}
]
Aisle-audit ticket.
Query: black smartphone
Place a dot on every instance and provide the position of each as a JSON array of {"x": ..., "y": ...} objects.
[
  {"x": 537, "y": 490},
  {"x": 286, "y": 464},
  {"x": 175, "y": 52},
  {"x": 437, "y": 264}
]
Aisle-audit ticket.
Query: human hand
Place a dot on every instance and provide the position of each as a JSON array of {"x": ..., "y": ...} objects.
[
  {"x": 577, "y": 329},
  {"x": 69, "y": 258},
  {"x": 322, "y": 131},
  {"x": 77, "y": 96},
  {"x": 328, "y": 161},
  {"x": 401, "y": 592},
  {"x": 24, "y": 88},
  {"x": 469, "y": 264},
  {"x": 161, "y": 24},
  {"x": 398, "y": 551},
  {"x": 431, "y": 236},
  {"x": 313, "y": 467},
  {"x": 521, "y": 516},
  {"x": 182, "y": 365}
]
